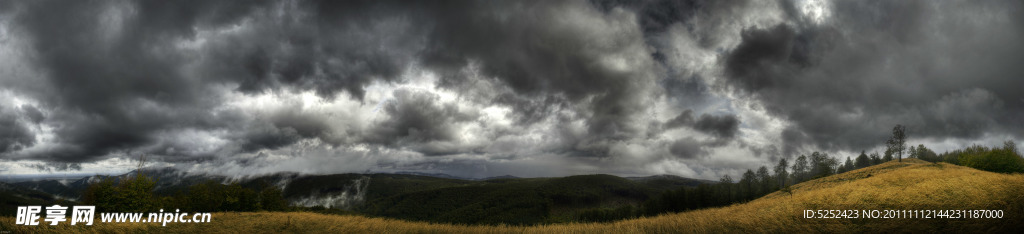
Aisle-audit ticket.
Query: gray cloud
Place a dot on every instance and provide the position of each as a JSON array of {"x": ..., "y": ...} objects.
[
  {"x": 565, "y": 54},
  {"x": 327, "y": 47},
  {"x": 757, "y": 62},
  {"x": 33, "y": 113},
  {"x": 55, "y": 166},
  {"x": 14, "y": 133},
  {"x": 324, "y": 46},
  {"x": 113, "y": 78},
  {"x": 416, "y": 119},
  {"x": 875, "y": 65},
  {"x": 592, "y": 83},
  {"x": 722, "y": 126},
  {"x": 683, "y": 119},
  {"x": 118, "y": 75},
  {"x": 687, "y": 148}
]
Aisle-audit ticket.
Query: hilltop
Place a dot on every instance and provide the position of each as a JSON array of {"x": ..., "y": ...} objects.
[{"x": 911, "y": 184}]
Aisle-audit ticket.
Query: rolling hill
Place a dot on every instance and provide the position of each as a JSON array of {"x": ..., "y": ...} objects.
[
  {"x": 492, "y": 201},
  {"x": 516, "y": 201},
  {"x": 12, "y": 196},
  {"x": 912, "y": 184},
  {"x": 416, "y": 197}
]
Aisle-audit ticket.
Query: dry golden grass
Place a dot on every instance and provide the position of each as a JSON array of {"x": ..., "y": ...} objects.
[{"x": 912, "y": 184}]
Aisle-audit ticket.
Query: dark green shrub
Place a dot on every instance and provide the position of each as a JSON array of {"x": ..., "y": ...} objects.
[
  {"x": 996, "y": 160},
  {"x": 133, "y": 194},
  {"x": 1004, "y": 160}
]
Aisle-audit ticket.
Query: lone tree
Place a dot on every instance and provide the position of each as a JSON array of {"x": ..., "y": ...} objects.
[
  {"x": 898, "y": 142},
  {"x": 780, "y": 172},
  {"x": 800, "y": 169},
  {"x": 862, "y": 160}
]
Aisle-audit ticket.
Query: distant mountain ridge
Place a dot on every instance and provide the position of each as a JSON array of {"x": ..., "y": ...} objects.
[
  {"x": 447, "y": 176},
  {"x": 665, "y": 180}
]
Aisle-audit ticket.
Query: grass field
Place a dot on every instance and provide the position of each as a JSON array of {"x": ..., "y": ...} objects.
[{"x": 912, "y": 184}]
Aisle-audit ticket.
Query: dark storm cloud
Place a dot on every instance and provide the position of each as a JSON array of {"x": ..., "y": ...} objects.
[
  {"x": 117, "y": 78},
  {"x": 284, "y": 127},
  {"x": 724, "y": 126},
  {"x": 14, "y": 133},
  {"x": 33, "y": 113},
  {"x": 214, "y": 81},
  {"x": 418, "y": 120},
  {"x": 656, "y": 15},
  {"x": 326, "y": 46},
  {"x": 941, "y": 68},
  {"x": 269, "y": 137},
  {"x": 683, "y": 119},
  {"x": 55, "y": 166},
  {"x": 113, "y": 79},
  {"x": 687, "y": 148},
  {"x": 721, "y": 126},
  {"x": 764, "y": 54},
  {"x": 119, "y": 75},
  {"x": 698, "y": 18},
  {"x": 561, "y": 56}
]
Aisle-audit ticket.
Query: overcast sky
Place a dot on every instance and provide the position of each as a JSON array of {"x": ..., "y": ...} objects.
[{"x": 484, "y": 88}]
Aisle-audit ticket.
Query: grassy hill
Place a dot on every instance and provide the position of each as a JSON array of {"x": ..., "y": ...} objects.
[{"x": 912, "y": 184}]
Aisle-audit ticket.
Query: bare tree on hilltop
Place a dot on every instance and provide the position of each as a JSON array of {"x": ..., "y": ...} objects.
[{"x": 898, "y": 142}]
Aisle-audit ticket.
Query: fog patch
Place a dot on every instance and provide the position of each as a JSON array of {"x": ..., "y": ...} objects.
[{"x": 350, "y": 196}]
